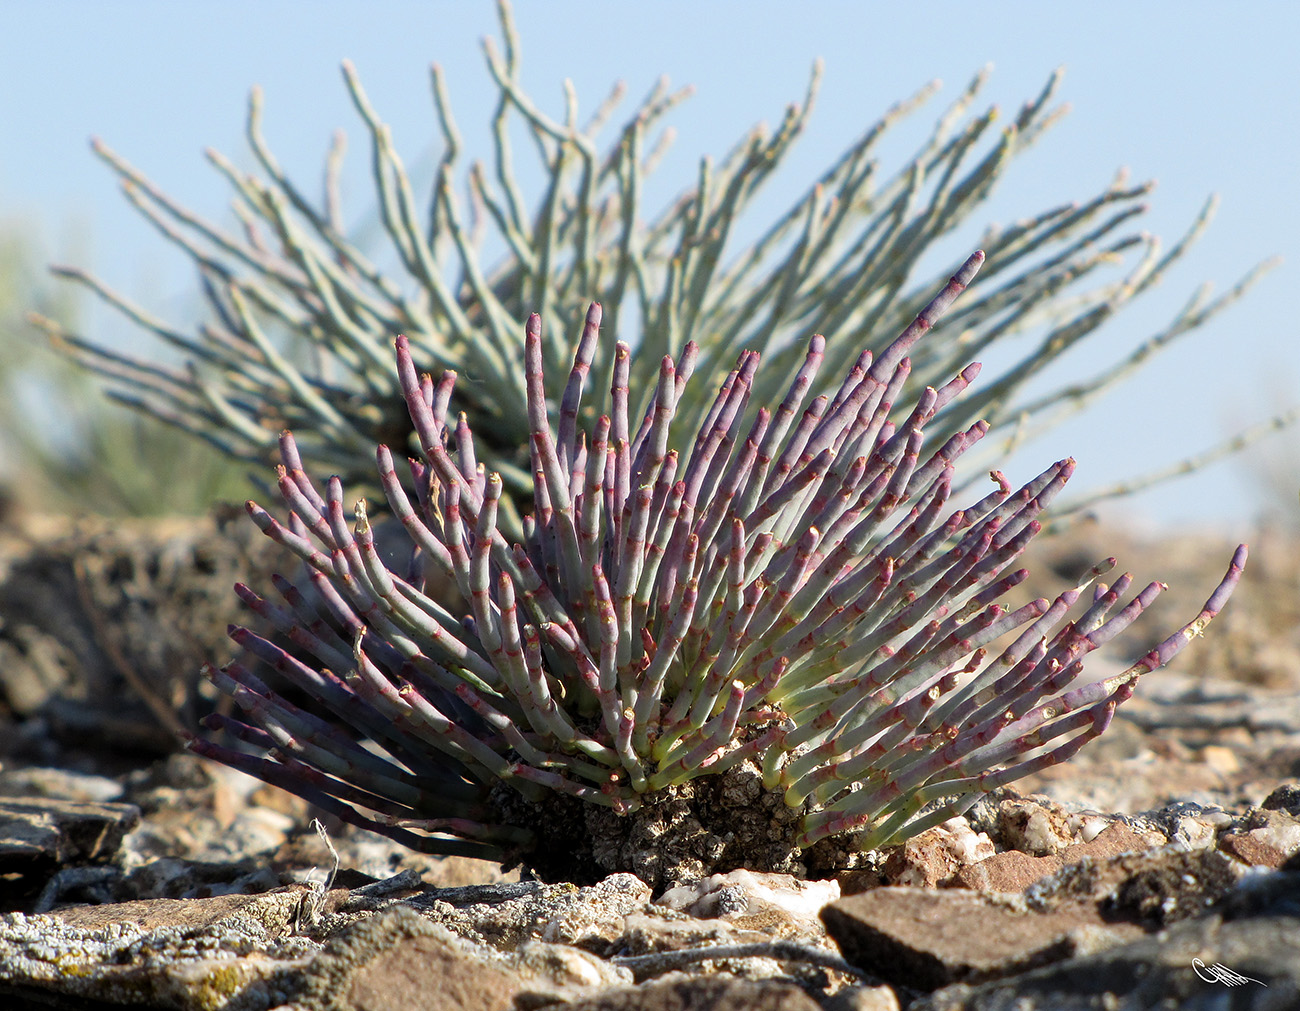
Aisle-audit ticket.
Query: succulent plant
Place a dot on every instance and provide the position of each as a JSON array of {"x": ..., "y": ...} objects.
[
  {"x": 300, "y": 312},
  {"x": 776, "y": 641}
]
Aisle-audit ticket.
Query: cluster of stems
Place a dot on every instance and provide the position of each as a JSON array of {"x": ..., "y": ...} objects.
[{"x": 791, "y": 589}]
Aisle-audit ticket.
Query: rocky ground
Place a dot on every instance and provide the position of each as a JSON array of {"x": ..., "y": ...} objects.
[{"x": 1160, "y": 868}]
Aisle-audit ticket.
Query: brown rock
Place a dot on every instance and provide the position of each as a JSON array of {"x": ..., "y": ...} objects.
[
  {"x": 926, "y": 939},
  {"x": 1250, "y": 850},
  {"x": 1242, "y": 957},
  {"x": 431, "y": 973},
  {"x": 1222, "y": 760},
  {"x": 399, "y": 960},
  {"x": 1011, "y": 871},
  {"x": 923, "y": 862},
  {"x": 932, "y": 858},
  {"x": 1265, "y": 839},
  {"x": 1014, "y": 871}
]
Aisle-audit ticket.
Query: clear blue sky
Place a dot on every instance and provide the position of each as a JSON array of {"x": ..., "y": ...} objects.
[{"x": 1204, "y": 97}]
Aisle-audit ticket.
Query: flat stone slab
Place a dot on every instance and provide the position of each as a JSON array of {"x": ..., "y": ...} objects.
[
  {"x": 926, "y": 939},
  {"x": 1246, "y": 956},
  {"x": 65, "y": 831}
]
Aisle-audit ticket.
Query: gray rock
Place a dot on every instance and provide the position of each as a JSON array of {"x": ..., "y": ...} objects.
[
  {"x": 239, "y": 952},
  {"x": 36, "y": 781},
  {"x": 594, "y": 917},
  {"x": 232, "y": 952},
  {"x": 506, "y": 915},
  {"x": 753, "y": 896},
  {"x": 64, "y": 831},
  {"x": 713, "y": 993},
  {"x": 1285, "y": 798},
  {"x": 41, "y": 837},
  {"x": 399, "y": 960}
]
